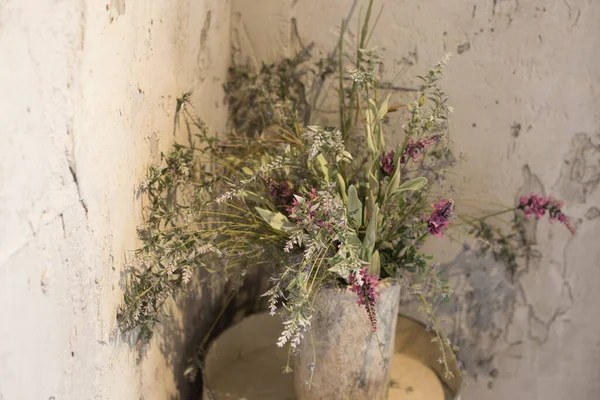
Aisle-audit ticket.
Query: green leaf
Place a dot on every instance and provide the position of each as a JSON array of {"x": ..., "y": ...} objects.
[
  {"x": 381, "y": 115},
  {"x": 342, "y": 185},
  {"x": 345, "y": 156},
  {"x": 371, "y": 233},
  {"x": 394, "y": 182},
  {"x": 247, "y": 171},
  {"x": 269, "y": 292},
  {"x": 373, "y": 186},
  {"x": 411, "y": 185},
  {"x": 369, "y": 129},
  {"x": 376, "y": 125},
  {"x": 355, "y": 206},
  {"x": 375, "y": 264},
  {"x": 300, "y": 199},
  {"x": 253, "y": 197},
  {"x": 323, "y": 166},
  {"x": 354, "y": 240},
  {"x": 401, "y": 202},
  {"x": 384, "y": 107},
  {"x": 277, "y": 220}
]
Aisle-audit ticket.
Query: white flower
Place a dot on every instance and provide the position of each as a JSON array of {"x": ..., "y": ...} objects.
[
  {"x": 209, "y": 248},
  {"x": 446, "y": 58},
  {"x": 136, "y": 313},
  {"x": 358, "y": 278},
  {"x": 289, "y": 245},
  {"x": 186, "y": 275},
  {"x": 185, "y": 170},
  {"x": 357, "y": 75},
  {"x": 171, "y": 267},
  {"x": 226, "y": 196},
  {"x": 413, "y": 106},
  {"x": 273, "y": 304},
  {"x": 323, "y": 141}
]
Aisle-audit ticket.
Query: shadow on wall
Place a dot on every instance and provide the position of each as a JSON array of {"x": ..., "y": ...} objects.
[
  {"x": 204, "y": 319},
  {"x": 495, "y": 314},
  {"x": 199, "y": 314}
]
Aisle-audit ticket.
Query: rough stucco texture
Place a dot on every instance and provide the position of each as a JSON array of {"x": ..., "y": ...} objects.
[
  {"x": 525, "y": 86},
  {"x": 87, "y": 95},
  {"x": 87, "y": 98}
]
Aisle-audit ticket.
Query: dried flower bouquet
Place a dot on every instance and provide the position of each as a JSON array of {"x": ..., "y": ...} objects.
[{"x": 332, "y": 206}]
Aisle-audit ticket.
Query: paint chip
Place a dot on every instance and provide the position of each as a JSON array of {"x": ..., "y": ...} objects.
[{"x": 463, "y": 48}]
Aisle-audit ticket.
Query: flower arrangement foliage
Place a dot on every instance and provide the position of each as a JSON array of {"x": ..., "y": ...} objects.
[{"x": 331, "y": 206}]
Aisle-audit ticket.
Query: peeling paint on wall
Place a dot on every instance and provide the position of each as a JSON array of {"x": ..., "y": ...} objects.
[
  {"x": 580, "y": 173},
  {"x": 525, "y": 78}
]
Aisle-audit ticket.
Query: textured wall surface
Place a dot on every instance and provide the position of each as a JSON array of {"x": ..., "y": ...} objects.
[
  {"x": 87, "y": 98},
  {"x": 525, "y": 86}
]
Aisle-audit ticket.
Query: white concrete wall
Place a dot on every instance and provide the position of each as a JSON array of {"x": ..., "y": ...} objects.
[
  {"x": 525, "y": 84},
  {"x": 87, "y": 98},
  {"x": 87, "y": 95}
]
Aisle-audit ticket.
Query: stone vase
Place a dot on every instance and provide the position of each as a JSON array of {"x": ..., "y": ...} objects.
[{"x": 346, "y": 358}]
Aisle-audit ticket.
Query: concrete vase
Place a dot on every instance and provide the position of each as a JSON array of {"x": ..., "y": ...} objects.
[{"x": 349, "y": 360}]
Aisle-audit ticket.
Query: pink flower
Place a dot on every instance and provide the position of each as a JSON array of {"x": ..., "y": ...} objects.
[
  {"x": 414, "y": 149},
  {"x": 387, "y": 163},
  {"x": 439, "y": 218},
  {"x": 537, "y": 205},
  {"x": 367, "y": 294},
  {"x": 280, "y": 192}
]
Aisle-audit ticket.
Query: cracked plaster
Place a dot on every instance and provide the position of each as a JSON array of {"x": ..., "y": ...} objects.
[
  {"x": 523, "y": 81},
  {"x": 88, "y": 93}
]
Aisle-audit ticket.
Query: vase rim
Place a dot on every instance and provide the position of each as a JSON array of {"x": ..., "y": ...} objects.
[{"x": 383, "y": 284}]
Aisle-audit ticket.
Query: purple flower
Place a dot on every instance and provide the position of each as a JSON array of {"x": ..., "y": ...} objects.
[
  {"x": 537, "y": 205},
  {"x": 314, "y": 212},
  {"x": 414, "y": 149},
  {"x": 280, "y": 192},
  {"x": 367, "y": 294},
  {"x": 387, "y": 163},
  {"x": 439, "y": 218}
]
